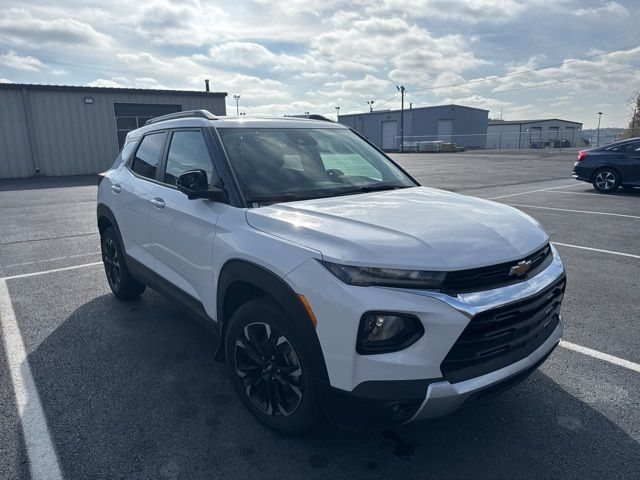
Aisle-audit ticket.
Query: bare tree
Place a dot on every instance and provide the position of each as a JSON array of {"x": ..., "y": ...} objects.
[{"x": 633, "y": 130}]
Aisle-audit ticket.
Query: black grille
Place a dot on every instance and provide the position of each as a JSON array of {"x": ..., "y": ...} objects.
[
  {"x": 495, "y": 276},
  {"x": 499, "y": 337}
]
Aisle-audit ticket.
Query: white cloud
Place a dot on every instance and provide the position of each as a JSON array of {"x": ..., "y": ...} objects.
[
  {"x": 605, "y": 11},
  {"x": 470, "y": 11},
  {"x": 104, "y": 82},
  {"x": 27, "y": 63},
  {"x": 18, "y": 26}
]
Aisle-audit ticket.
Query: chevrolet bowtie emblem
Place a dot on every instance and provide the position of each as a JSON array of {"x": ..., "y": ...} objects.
[{"x": 520, "y": 269}]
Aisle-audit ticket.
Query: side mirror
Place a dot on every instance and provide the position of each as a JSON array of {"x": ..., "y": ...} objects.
[{"x": 194, "y": 184}]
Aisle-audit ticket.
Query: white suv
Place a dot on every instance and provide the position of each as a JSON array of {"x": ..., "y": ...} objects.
[{"x": 334, "y": 283}]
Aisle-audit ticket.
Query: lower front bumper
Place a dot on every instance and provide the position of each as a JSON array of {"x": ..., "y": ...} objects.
[
  {"x": 395, "y": 402},
  {"x": 443, "y": 397}
]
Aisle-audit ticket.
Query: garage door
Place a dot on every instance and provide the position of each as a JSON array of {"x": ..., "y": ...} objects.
[
  {"x": 445, "y": 129},
  {"x": 389, "y": 132}
]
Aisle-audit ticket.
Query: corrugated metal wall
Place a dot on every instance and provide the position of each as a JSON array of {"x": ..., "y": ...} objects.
[
  {"x": 15, "y": 152},
  {"x": 469, "y": 124},
  {"x": 69, "y": 136}
]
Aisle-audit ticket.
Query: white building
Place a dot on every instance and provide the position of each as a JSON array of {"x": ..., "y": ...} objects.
[{"x": 543, "y": 133}]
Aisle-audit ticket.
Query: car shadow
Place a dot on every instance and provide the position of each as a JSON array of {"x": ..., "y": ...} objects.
[
  {"x": 132, "y": 390},
  {"x": 620, "y": 192}
]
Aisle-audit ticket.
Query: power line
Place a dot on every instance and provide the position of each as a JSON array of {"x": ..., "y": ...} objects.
[
  {"x": 567, "y": 80},
  {"x": 506, "y": 75},
  {"x": 386, "y": 101}
]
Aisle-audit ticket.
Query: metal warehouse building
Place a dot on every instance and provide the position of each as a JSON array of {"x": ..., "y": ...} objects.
[
  {"x": 464, "y": 126},
  {"x": 544, "y": 133},
  {"x": 63, "y": 130}
]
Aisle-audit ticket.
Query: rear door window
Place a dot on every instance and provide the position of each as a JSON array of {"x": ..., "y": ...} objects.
[{"x": 145, "y": 162}]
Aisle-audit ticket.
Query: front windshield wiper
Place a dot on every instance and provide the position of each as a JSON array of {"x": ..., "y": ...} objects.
[
  {"x": 372, "y": 188},
  {"x": 291, "y": 197},
  {"x": 285, "y": 197}
]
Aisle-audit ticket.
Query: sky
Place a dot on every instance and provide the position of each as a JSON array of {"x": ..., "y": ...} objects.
[{"x": 296, "y": 56}]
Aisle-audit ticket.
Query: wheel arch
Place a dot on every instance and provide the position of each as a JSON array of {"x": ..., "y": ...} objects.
[
  {"x": 106, "y": 219},
  {"x": 603, "y": 167},
  {"x": 241, "y": 280}
]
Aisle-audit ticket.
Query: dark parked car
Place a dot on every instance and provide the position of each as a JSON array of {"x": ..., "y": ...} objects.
[{"x": 610, "y": 166}]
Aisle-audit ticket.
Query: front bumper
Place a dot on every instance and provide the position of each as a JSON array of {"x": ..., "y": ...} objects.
[
  {"x": 391, "y": 403},
  {"x": 398, "y": 387},
  {"x": 443, "y": 397}
]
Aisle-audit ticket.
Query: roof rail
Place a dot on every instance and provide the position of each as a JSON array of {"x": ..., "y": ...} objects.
[
  {"x": 315, "y": 116},
  {"x": 185, "y": 114}
]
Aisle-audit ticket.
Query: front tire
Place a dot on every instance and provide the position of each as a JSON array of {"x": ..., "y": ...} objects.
[
  {"x": 122, "y": 284},
  {"x": 606, "y": 180},
  {"x": 269, "y": 367}
]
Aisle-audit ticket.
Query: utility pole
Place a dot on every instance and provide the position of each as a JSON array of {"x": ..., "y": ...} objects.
[
  {"x": 370, "y": 103},
  {"x": 337, "y": 111},
  {"x": 401, "y": 89},
  {"x": 236, "y": 98},
  {"x": 598, "y": 134}
]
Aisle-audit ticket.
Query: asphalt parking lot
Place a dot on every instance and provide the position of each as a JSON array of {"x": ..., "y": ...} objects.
[{"x": 130, "y": 390}]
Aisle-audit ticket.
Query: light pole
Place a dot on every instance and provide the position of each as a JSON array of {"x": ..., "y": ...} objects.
[
  {"x": 337, "y": 111},
  {"x": 370, "y": 103},
  {"x": 401, "y": 89},
  {"x": 237, "y": 98},
  {"x": 598, "y": 134}
]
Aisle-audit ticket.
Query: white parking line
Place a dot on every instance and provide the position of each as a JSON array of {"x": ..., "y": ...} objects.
[
  {"x": 43, "y": 461},
  {"x": 33, "y": 274},
  {"x": 586, "y": 193},
  {"x": 601, "y": 356},
  {"x": 574, "y": 211},
  {"x": 534, "y": 191},
  {"x": 53, "y": 259},
  {"x": 630, "y": 255}
]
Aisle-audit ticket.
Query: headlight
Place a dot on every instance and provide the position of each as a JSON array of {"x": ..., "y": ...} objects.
[
  {"x": 382, "y": 332},
  {"x": 385, "y": 277}
]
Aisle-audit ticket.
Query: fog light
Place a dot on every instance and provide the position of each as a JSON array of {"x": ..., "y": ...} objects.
[{"x": 387, "y": 332}]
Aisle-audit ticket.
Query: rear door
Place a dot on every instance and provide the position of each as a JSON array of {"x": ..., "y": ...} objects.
[
  {"x": 134, "y": 191},
  {"x": 626, "y": 158},
  {"x": 182, "y": 230},
  {"x": 633, "y": 167}
]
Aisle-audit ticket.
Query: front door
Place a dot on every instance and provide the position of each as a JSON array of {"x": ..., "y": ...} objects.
[{"x": 182, "y": 230}]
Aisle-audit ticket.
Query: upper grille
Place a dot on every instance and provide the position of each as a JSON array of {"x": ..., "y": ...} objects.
[
  {"x": 501, "y": 336},
  {"x": 495, "y": 276}
]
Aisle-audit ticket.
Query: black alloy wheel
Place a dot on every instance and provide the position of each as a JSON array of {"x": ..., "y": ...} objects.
[
  {"x": 111, "y": 261},
  {"x": 270, "y": 369},
  {"x": 122, "y": 283}
]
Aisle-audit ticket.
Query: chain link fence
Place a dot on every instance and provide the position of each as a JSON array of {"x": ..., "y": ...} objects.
[{"x": 526, "y": 140}]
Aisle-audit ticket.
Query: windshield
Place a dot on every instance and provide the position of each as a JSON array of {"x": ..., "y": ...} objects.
[{"x": 285, "y": 164}]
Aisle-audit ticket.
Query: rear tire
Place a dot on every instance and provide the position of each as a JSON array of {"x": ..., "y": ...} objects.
[
  {"x": 122, "y": 284},
  {"x": 606, "y": 180},
  {"x": 270, "y": 369}
]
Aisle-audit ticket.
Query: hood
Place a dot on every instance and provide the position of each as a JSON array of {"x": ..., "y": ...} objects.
[{"x": 413, "y": 228}]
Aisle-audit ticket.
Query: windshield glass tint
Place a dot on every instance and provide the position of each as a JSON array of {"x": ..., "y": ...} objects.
[{"x": 292, "y": 163}]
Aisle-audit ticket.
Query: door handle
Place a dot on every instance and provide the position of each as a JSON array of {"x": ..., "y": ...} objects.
[
  {"x": 116, "y": 188},
  {"x": 157, "y": 202}
]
